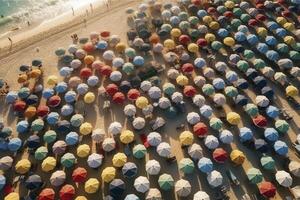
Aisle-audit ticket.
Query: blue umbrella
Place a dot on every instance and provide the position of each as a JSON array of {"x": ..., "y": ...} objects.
[
  {"x": 222, "y": 19},
  {"x": 252, "y": 39},
  {"x": 245, "y": 134},
  {"x": 243, "y": 29},
  {"x": 129, "y": 170},
  {"x": 70, "y": 96},
  {"x": 244, "y": 5},
  {"x": 22, "y": 126},
  {"x": 47, "y": 93},
  {"x": 125, "y": 86},
  {"x": 117, "y": 187},
  {"x": 36, "y": 63},
  {"x": 260, "y": 81},
  {"x": 281, "y": 148},
  {"x": 65, "y": 71},
  {"x": 67, "y": 110},
  {"x": 242, "y": 84},
  {"x": 271, "y": 134},
  {"x": 174, "y": 20},
  {"x": 138, "y": 60},
  {"x": 241, "y": 100},
  {"x": 261, "y": 145},
  {"x": 33, "y": 182},
  {"x": 272, "y": 55},
  {"x": 240, "y": 36},
  {"x": 63, "y": 126},
  {"x": 231, "y": 76},
  {"x": 199, "y": 62},
  {"x": 11, "y": 97},
  {"x": 272, "y": 111},
  {"x": 2, "y": 181},
  {"x": 271, "y": 25},
  {"x": 238, "y": 48},
  {"x": 102, "y": 45},
  {"x": 268, "y": 92},
  {"x": 201, "y": 13},
  {"x": 24, "y": 92},
  {"x": 3, "y": 145},
  {"x": 33, "y": 142},
  {"x": 5, "y": 132},
  {"x": 93, "y": 81},
  {"x": 281, "y": 32},
  {"x": 262, "y": 48},
  {"x": 14, "y": 144},
  {"x": 82, "y": 88},
  {"x": 72, "y": 138},
  {"x": 271, "y": 40},
  {"x": 218, "y": 83},
  {"x": 32, "y": 99},
  {"x": 131, "y": 197},
  {"x": 52, "y": 118},
  {"x": 205, "y": 165},
  {"x": 222, "y": 32},
  {"x": 251, "y": 73},
  {"x": 234, "y": 58},
  {"x": 94, "y": 160},
  {"x": 206, "y": 111},
  {"x": 61, "y": 87}
]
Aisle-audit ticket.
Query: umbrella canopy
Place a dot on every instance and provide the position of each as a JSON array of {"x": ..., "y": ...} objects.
[
  {"x": 211, "y": 142},
  {"x": 267, "y": 162},
  {"x": 5, "y": 163},
  {"x": 33, "y": 182},
  {"x": 139, "y": 151},
  {"x": 67, "y": 192},
  {"x": 260, "y": 121},
  {"x": 141, "y": 184},
  {"x": 282, "y": 126},
  {"x": 41, "y": 153},
  {"x": 141, "y": 102},
  {"x": 294, "y": 168},
  {"x": 91, "y": 186},
  {"x": 206, "y": 111},
  {"x": 116, "y": 187},
  {"x": 183, "y": 188},
  {"x": 109, "y": 144},
  {"x": 198, "y": 100},
  {"x": 254, "y": 175},
  {"x": 291, "y": 91},
  {"x": 14, "y": 144},
  {"x": 129, "y": 170},
  {"x": 72, "y": 138},
  {"x": 280, "y": 148},
  {"x": 272, "y": 111},
  {"x": 79, "y": 175},
  {"x": 47, "y": 194},
  {"x": 215, "y": 178},
  {"x": 205, "y": 165},
  {"x": 164, "y": 149},
  {"x": 83, "y": 150},
  {"x": 95, "y": 160},
  {"x": 153, "y": 167},
  {"x": 208, "y": 89},
  {"x": 233, "y": 118},
  {"x": 219, "y": 99},
  {"x": 59, "y": 147},
  {"x": 271, "y": 134},
  {"x": 237, "y": 157},
  {"x": 23, "y": 166},
  {"x": 226, "y": 136},
  {"x": 58, "y": 178},
  {"x": 12, "y": 196},
  {"x": 200, "y": 129},
  {"x": 267, "y": 189},
  {"x": 98, "y": 135},
  {"x": 284, "y": 178},
  {"x": 48, "y": 164},
  {"x": 108, "y": 174},
  {"x": 261, "y": 145},
  {"x": 166, "y": 182},
  {"x": 201, "y": 195},
  {"x": 126, "y": 136},
  {"x": 154, "y": 138},
  {"x": 220, "y": 155},
  {"x": 215, "y": 123},
  {"x": 68, "y": 160},
  {"x": 186, "y": 165},
  {"x": 119, "y": 159}
]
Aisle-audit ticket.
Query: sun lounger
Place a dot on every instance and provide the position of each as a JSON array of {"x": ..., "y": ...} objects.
[{"x": 233, "y": 179}]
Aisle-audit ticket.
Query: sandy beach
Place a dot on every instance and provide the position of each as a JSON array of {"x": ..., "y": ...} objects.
[{"x": 48, "y": 37}]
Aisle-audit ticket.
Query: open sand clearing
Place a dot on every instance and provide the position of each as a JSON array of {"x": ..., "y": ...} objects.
[{"x": 115, "y": 21}]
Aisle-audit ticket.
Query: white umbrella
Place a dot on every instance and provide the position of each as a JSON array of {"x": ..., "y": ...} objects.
[
  {"x": 177, "y": 97},
  {"x": 65, "y": 71},
  {"x": 221, "y": 66},
  {"x": 118, "y": 62},
  {"x": 143, "y": 7},
  {"x": 58, "y": 178},
  {"x": 199, "y": 100},
  {"x": 138, "y": 42},
  {"x": 193, "y": 118},
  {"x": 98, "y": 135},
  {"x": 153, "y": 194},
  {"x": 206, "y": 111},
  {"x": 147, "y": 110},
  {"x": 157, "y": 48},
  {"x": 141, "y": 184},
  {"x": 108, "y": 55},
  {"x": 153, "y": 167},
  {"x": 72, "y": 48},
  {"x": 129, "y": 110},
  {"x": 115, "y": 76},
  {"x": 154, "y": 138},
  {"x": 166, "y": 14},
  {"x": 262, "y": 101},
  {"x": 208, "y": 72},
  {"x": 175, "y": 10},
  {"x": 268, "y": 72},
  {"x": 211, "y": 142},
  {"x": 82, "y": 88},
  {"x": 109, "y": 144},
  {"x": 219, "y": 99},
  {"x": 145, "y": 85},
  {"x": 184, "y": 56},
  {"x": 95, "y": 160},
  {"x": 280, "y": 77},
  {"x": 183, "y": 188},
  {"x": 170, "y": 57},
  {"x": 172, "y": 74},
  {"x": 115, "y": 128},
  {"x": 195, "y": 151},
  {"x": 94, "y": 35},
  {"x": 6, "y": 163},
  {"x": 215, "y": 178},
  {"x": 139, "y": 123},
  {"x": 226, "y": 137},
  {"x": 295, "y": 71},
  {"x": 164, "y": 103},
  {"x": 80, "y": 53},
  {"x": 294, "y": 168},
  {"x": 199, "y": 81},
  {"x": 284, "y": 178},
  {"x": 164, "y": 149},
  {"x": 202, "y": 29},
  {"x": 201, "y": 195},
  {"x": 154, "y": 92}
]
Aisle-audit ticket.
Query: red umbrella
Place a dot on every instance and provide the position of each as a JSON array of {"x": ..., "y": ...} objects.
[
  {"x": 267, "y": 189},
  {"x": 79, "y": 175},
  {"x": 67, "y": 192},
  {"x": 200, "y": 129},
  {"x": 196, "y": 2},
  {"x": 259, "y": 1},
  {"x": 19, "y": 106},
  {"x": 220, "y": 155},
  {"x": 89, "y": 47},
  {"x": 260, "y": 121},
  {"x": 187, "y": 68},
  {"x": 54, "y": 101},
  {"x": 86, "y": 72},
  {"x": 286, "y": 13},
  {"x": 133, "y": 94},
  {"x": 105, "y": 34},
  {"x": 201, "y": 42},
  {"x": 252, "y": 22},
  {"x": 119, "y": 98},
  {"x": 184, "y": 39},
  {"x": 105, "y": 70},
  {"x": 43, "y": 111},
  {"x": 47, "y": 194},
  {"x": 111, "y": 89},
  {"x": 260, "y": 6},
  {"x": 260, "y": 17},
  {"x": 211, "y": 10},
  {"x": 228, "y": 14},
  {"x": 281, "y": 1},
  {"x": 189, "y": 91}
]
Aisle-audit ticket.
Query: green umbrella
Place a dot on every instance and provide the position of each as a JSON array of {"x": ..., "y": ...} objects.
[
  {"x": 237, "y": 12},
  {"x": 186, "y": 165},
  {"x": 169, "y": 88},
  {"x": 208, "y": 89},
  {"x": 245, "y": 17},
  {"x": 296, "y": 46},
  {"x": 37, "y": 125},
  {"x": 235, "y": 23},
  {"x": 259, "y": 63},
  {"x": 128, "y": 68},
  {"x": 249, "y": 54},
  {"x": 139, "y": 151},
  {"x": 282, "y": 126},
  {"x": 183, "y": 16},
  {"x": 282, "y": 48},
  {"x": 251, "y": 109},
  {"x": 215, "y": 123},
  {"x": 76, "y": 120},
  {"x": 60, "y": 52},
  {"x": 49, "y": 136},
  {"x": 24, "y": 92},
  {"x": 193, "y": 20},
  {"x": 166, "y": 182},
  {"x": 231, "y": 91},
  {"x": 254, "y": 175},
  {"x": 41, "y": 153},
  {"x": 267, "y": 162},
  {"x": 6, "y": 132},
  {"x": 68, "y": 160},
  {"x": 184, "y": 25},
  {"x": 242, "y": 65},
  {"x": 166, "y": 27},
  {"x": 194, "y": 33},
  {"x": 130, "y": 52},
  {"x": 216, "y": 45},
  {"x": 221, "y": 9},
  {"x": 294, "y": 55}
]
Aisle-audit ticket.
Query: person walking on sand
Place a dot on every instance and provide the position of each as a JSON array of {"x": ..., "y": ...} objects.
[
  {"x": 107, "y": 5},
  {"x": 91, "y": 6},
  {"x": 87, "y": 12},
  {"x": 73, "y": 12},
  {"x": 11, "y": 42}
]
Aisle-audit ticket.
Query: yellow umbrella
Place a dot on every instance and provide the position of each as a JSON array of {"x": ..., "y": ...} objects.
[
  {"x": 52, "y": 80},
  {"x": 141, "y": 102},
  {"x": 289, "y": 26},
  {"x": 229, "y": 4},
  {"x": 291, "y": 91},
  {"x": 83, "y": 150},
  {"x": 175, "y": 32},
  {"x": 193, "y": 48},
  {"x": 86, "y": 128},
  {"x": 22, "y": 78},
  {"x": 207, "y": 19},
  {"x": 23, "y": 166},
  {"x": 237, "y": 157},
  {"x": 209, "y": 37},
  {"x": 169, "y": 44},
  {"x": 289, "y": 40},
  {"x": 48, "y": 164},
  {"x": 214, "y": 25},
  {"x": 30, "y": 112},
  {"x": 261, "y": 31},
  {"x": 233, "y": 118},
  {"x": 35, "y": 73},
  {"x": 182, "y": 80},
  {"x": 186, "y": 138},
  {"x": 120, "y": 47},
  {"x": 12, "y": 196},
  {"x": 91, "y": 186},
  {"x": 108, "y": 174},
  {"x": 89, "y": 97},
  {"x": 88, "y": 60},
  {"x": 81, "y": 198},
  {"x": 229, "y": 41},
  {"x": 119, "y": 159},
  {"x": 126, "y": 136},
  {"x": 281, "y": 20}
]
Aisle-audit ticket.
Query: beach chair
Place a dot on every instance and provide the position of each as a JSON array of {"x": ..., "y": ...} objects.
[
  {"x": 144, "y": 140},
  {"x": 233, "y": 179},
  {"x": 106, "y": 105}
]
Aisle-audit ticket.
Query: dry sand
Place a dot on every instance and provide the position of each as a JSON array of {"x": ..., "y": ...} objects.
[{"x": 115, "y": 21}]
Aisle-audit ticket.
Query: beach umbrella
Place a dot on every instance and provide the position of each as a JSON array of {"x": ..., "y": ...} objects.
[
  {"x": 164, "y": 103},
  {"x": 271, "y": 134},
  {"x": 141, "y": 102},
  {"x": 177, "y": 97},
  {"x": 215, "y": 178},
  {"x": 105, "y": 70},
  {"x": 68, "y": 160},
  {"x": 271, "y": 40},
  {"x": 67, "y": 192},
  {"x": 2, "y": 181},
  {"x": 139, "y": 151},
  {"x": 295, "y": 71},
  {"x": 281, "y": 148},
  {"x": 267, "y": 162},
  {"x": 133, "y": 94},
  {"x": 83, "y": 150},
  {"x": 32, "y": 99},
  {"x": 47, "y": 194},
  {"x": 115, "y": 76},
  {"x": 93, "y": 81},
  {"x": 268, "y": 92},
  {"x": 241, "y": 100},
  {"x": 75, "y": 64},
  {"x": 220, "y": 155},
  {"x": 138, "y": 61},
  {"x": 80, "y": 198},
  {"x": 183, "y": 188},
  {"x": 259, "y": 64},
  {"x": 260, "y": 82},
  {"x": 186, "y": 138},
  {"x": 86, "y": 128},
  {"x": 189, "y": 91},
  {"x": 208, "y": 89},
  {"x": 53, "y": 102},
  {"x": 109, "y": 144},
  {"x": 89, "y": 97},
  {"x": 139, "y": 123},
  {"x": 242, "y": 65},
  {"x": 186, "y": 165},
  {"x": 237, "y": 157},
  {"x": 262, "y": 101},
  {"x": 5, "y": 163},
  {"x": 218, "y": 83},
  {"x": 272, "y": 55},
  {"x": 65, "y": 71},
  {"x": 58, "y": 178},
  {"x": 126, "y": 136},
  {"x": 154, "y": 138},
  {"x": 153, "y": 167},
  {"x": 14, "y": 144},
  {"x": 282, "y": 126},
  {"x": 208, "y": 72},
  {"x": 231, "y": 76},
  {"x": 219, "y": 99},
  {"x": 52, "y": 80},
  {"x": 11, "y": 97},
  {"x": 215, "y": 123},
  {"x": 131, "y": 197},
  {"x": 70, "y": 96},
  {"x": 77, "y": 120},
  {"x": 168, "y": 88},
  {"x": 205, "y": 165},
  {"x": 201, "y": 195},
  {"x": 284, "y": 178},
  {"x": 294, "y": 168},
  {"x": 111, "y": 89},
  {"x": 74, "y": 81},
  {"x": 280, "y": 77},
  {"x": 166, "y": 182},
  {"x": 200, "y": 129},
  {"x": 182, "y": 80},
  {"x": 24, "y": 92},
  {"x": 141, "y": 184},
  {"x": 145, "y": 86},
  {"x": 47, "y": 93},
  {"x": 94, "y": 160},
  {"x": 33, "y": 141},
  {"x": 222, "y": 32},
  {"x": 91, "y": 186},
  {"x": 48, "y": 164},
  {"x": 251, "y": 110},
  {"x": 261, "y": 145},
  {"x": 233, "y": 118},
  {"x": 82, "y": 88},
  {"x": 22, "y": 126},
  {"x": 226, "y": 136},
  {"x": 12, "y": 196},
  {"x": 108, "y": 174},
  {"x": 125, "y": 86},
  {"x": 129, "y": 170},
  {"x": 67, "y": 110},
  {"x": 118, "y": 98},
  {"x": 79, "y": 175},
  {"x": 199, "y": 100},
  {"x": 63, "y": 126},
  {"x": 163, "y": 149},
  {"x": 231, "y": 91},
  {"x": 119, "y": 159},
  {"x": 41, "y": 153},
  {"x": 254, "y": 175},
  {"x": 291, "y": 91},
  {"x": 117, "y": 187},
  {"x": 172, "y": 74},
  {"x": 267, "y": 189}
]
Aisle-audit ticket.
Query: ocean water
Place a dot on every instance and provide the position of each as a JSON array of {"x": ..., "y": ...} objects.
[{"x": 15, "y": 14}]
